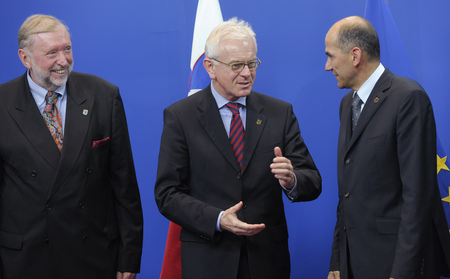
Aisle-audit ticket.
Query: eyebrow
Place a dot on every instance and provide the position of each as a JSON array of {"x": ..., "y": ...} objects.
[{"x": 240, "y": 61}]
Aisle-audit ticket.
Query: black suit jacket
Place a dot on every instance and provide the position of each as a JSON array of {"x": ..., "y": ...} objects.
[
  {"x": 390, "y": 217},
  {"x": 198, "y": 177},
  {"x": 75, "y": 214}
]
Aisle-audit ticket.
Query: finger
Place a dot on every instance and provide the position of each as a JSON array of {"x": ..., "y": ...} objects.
[
  {"x": 250, "y": 229},
  {"x": 277, "y": 152}
]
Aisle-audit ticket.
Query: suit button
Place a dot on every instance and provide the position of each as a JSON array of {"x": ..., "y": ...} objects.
[
  {"x": 81, "y": 205},
  {"x": 347, "y": 161},
  {"x": 33, "y": 173},
  {"x": 238, "y": 176},
  {"x": 346, "y": 195},
  {"x": 88, "y": 170},
  {"x": 85, "y": 239},
  {"x": 46, "y": 241},
  {"x": 244, "y": 206},
  {"x": 48, "y": 206}
]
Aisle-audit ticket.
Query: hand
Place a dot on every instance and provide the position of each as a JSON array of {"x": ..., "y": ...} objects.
[
  {"x": 230, "y": 222},
  {"x": 125, "y": 275},
  {"x": 334, "y": 275},
  {"x": 283, "y": 169}
]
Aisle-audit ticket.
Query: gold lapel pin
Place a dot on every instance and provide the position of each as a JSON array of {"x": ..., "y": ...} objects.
[
  {"x": 258, "y": 122},
  {"x": 376, "y": 100},
  {"x": 85, "y": 112}
]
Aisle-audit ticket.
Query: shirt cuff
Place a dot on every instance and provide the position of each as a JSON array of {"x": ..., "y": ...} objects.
[
  {"x": 218, "y": 222},
  {"x": 292, "y": 193}
]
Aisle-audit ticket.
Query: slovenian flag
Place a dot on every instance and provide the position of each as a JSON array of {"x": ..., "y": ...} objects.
[{"x": 208, "y": 16}]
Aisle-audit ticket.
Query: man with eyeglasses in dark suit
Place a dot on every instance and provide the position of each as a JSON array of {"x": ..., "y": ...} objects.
[{"x": 228, "y": 200}]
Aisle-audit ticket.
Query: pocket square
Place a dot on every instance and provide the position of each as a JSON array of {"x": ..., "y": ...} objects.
[{"x": 98, "y": 143}]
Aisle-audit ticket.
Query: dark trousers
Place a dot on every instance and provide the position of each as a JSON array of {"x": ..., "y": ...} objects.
[{"x": 244, "y": 271}]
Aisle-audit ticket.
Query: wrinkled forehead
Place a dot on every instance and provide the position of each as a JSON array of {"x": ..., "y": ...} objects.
[
  {"x": 236, "y": 44},
  {"x": 59, "y": 38}
]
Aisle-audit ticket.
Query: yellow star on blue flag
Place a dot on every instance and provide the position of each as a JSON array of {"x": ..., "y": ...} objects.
[{"x": 441, "y": 163}]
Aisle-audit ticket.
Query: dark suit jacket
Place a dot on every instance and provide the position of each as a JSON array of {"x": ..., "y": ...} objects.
[
  {"x": 75, "y": 214},
  {"x": 390, "y": 217},
  {"x": 198, "y": 177}
]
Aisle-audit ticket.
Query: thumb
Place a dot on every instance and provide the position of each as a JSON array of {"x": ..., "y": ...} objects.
[
  {"x": 277, "y": 152},
  {"x": 236, "y": 207}
]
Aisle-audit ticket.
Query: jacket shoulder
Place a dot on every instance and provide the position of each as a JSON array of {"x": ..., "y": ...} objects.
[
  {"x": 13, "y": 84},
  {"x": 89, "y": 80}
]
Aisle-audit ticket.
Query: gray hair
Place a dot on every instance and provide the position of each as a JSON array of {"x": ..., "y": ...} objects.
[
  {"x": 232, "y": 28},
  {"x": 37, "y": 24}
]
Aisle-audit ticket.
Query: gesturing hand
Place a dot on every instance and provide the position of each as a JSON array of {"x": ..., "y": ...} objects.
[
  {"x": 230, "y": 222},
  {"x": 282, "y": 169}
]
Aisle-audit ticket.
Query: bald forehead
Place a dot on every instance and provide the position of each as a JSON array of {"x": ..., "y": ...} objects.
[{"x": 351, "y": 21}]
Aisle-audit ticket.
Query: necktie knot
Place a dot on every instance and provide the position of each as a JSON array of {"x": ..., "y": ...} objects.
[
  {"x": 51, "y": 97},
  {"x": 234, "y": 107},
  {"x": 357, "y": 102}
]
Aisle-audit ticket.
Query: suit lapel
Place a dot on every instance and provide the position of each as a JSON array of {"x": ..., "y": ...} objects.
[
  {"x": 254, "y": 127},
  {"x": 26, "y": 114},
  {"x": 345, "y": 133},
  {"x": 78, "y": 116},
  {"x": 209, "y": 117},
  {"x": 374, "y": 102}
]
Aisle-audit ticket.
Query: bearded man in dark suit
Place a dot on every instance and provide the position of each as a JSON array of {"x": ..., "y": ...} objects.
[{"x": 69, "y": 203}]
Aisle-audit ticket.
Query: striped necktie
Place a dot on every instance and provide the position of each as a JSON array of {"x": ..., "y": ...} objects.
[
  {"x": 53, "y": 119},
  {"x": 236, "y": 133}
]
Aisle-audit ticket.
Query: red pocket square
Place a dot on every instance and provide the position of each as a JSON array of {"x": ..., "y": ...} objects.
[{"x": 98, "y": 143}]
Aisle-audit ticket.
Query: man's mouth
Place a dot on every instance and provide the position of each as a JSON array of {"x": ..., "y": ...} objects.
[{"x": 60, "y": 71}]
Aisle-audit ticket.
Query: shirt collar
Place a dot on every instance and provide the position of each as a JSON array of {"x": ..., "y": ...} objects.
[
  {"x": 221, "y": 101},
  {"x": 368, "y": 86},
  {"x": 39, "y": 92}
]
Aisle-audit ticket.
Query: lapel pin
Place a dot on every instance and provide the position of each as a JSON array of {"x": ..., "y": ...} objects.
[
  {"x": 85, "y": 112},
  {"x": 376, "y": 100},
  {"x": 258, "y": 122}
]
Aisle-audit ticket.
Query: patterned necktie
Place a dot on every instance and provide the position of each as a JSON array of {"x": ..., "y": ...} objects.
[
  {"x": 236, "y": 133},
  {"x": 53, "y": 119},
  {"x": 356, "y": 110}
]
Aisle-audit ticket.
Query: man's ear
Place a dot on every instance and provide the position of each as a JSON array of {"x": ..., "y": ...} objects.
[
  {"x": 356, "y": 56},
  {"x": 25, "y": 58},
  {"x": 209, "y": 67}
]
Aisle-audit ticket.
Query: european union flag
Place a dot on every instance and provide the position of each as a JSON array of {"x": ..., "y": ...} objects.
[
  {"x": 393, "y": 54},
  {"x": 443, "y": 177},
  {"x": 394, "y": 57}
]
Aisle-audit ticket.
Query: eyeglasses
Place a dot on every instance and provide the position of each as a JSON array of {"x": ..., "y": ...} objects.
[{"x": 237, "y": 67}]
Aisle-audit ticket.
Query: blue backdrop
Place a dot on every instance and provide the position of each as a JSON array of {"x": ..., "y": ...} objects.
[{"x": 144, "y": 47}]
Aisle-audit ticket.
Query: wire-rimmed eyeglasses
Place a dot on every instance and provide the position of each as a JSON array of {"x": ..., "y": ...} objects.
[{"x": 237, "y": 67}]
